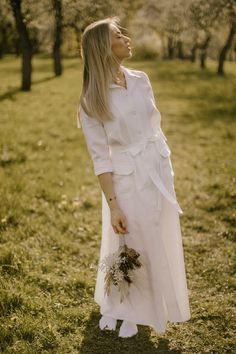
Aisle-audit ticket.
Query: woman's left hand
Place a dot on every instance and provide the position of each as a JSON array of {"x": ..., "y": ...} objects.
[{"x": 119, "y": 221}]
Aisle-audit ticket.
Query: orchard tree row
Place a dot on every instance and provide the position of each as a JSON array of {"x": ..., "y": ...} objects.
[
  {"x": 163, "y": 29},
  {"x": 183, "y": 28}
]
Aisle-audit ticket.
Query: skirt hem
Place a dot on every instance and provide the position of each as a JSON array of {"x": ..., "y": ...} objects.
[{"x": 158, "y": 328}]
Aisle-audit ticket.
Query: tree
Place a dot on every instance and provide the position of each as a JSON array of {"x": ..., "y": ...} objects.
[
  {"x": 57, "y": 7},
  {"x": 208, "y": 18},
  {"x": 228, "y": 8},
  {"x": 79, "y": 13},
  {"x": 7, "y": 32},
  {"x": 167, "y": 19},
  {"x": 25, "y": 44},
  {"x": 202, "y": 16}
]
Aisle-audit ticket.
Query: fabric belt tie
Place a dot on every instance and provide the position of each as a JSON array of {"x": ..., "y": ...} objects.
[{"x": 140, "y": 146}]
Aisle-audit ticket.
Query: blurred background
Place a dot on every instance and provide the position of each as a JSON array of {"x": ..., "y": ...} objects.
[
  {"x": 160, "y": 29},
  {"x": 50, "y": 199}
]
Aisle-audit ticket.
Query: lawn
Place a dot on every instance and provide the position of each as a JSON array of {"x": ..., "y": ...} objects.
[{"x": 50, "y": 211}]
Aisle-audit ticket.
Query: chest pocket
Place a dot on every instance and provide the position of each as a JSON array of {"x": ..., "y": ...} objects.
[
  {"x": 122, "y": 163},
  {"x": 123, "y": 175}
]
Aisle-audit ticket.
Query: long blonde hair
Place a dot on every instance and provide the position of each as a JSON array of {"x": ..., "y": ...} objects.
[{"x": 98, "y": 61}]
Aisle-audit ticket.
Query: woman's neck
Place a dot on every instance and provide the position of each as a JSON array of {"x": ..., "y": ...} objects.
[
  {"x": 119, "y": 77},
  {"x": 117, "y": 70}
]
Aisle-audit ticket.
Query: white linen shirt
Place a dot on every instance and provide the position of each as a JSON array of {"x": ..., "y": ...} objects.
[
  {"x": 133, "y": 142},
  {"x": 136, "y": 117}
]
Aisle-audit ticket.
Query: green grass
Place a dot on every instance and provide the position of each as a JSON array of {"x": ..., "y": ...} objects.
[{"x": 50, "y": 211}]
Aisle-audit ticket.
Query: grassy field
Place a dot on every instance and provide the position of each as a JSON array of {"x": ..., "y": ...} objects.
[{"x": 50, "y": 211}]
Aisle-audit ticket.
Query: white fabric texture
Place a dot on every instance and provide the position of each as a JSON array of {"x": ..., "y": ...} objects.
[{"x": 134, "y": 148}]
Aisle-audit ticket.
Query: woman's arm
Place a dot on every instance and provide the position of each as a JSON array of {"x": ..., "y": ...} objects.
[
  {"x": 97, "y": 144},
  {"x": 118, "y": 219}
]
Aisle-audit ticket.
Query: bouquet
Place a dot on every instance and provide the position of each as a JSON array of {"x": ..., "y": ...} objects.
[{"x": 119, "y": 267}]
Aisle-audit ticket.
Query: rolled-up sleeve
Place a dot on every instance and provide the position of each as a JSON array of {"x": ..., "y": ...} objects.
[{"x": 97, "y": 142}]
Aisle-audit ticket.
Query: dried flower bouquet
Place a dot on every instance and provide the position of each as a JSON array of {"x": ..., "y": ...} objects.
[{"x": 119, "y": 268}]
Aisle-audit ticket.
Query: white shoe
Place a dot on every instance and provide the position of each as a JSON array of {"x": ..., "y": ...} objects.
[
  {"x": 107, "y": 323},
  {"x": 128, "y": 329}
]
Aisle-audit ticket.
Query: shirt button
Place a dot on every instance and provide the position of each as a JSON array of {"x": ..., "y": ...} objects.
[{"x": 133, "y": 112}]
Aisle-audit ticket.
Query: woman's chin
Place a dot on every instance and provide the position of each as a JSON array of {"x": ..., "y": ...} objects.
[{"x": 127, "y": 56}]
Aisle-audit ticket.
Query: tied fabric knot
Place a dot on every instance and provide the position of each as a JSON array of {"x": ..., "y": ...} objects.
[
  {"x": 148, "y": 166},
  {"x": 134, "y": 150},
  {"x": 141, "y": 146},
  {"x": 154, "y": 175}
]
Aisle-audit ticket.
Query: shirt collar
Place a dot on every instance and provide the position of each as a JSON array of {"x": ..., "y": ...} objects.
[{"x": 130, "y": 76}]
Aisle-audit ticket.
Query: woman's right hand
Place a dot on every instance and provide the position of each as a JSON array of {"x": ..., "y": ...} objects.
[{"x": 119, "y": 221}]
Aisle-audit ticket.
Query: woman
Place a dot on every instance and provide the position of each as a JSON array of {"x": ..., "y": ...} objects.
[{"x": 131, "y": 158}]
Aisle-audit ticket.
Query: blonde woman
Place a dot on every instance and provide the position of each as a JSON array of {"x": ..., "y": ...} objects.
[{"x": 121, "y": 126}]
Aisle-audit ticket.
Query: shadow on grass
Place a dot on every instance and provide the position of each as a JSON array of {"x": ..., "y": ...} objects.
[
  {"x": 47, "y": 67},
  {"x": 106, "y": 342},
  {"x": 11, "y": 93}
]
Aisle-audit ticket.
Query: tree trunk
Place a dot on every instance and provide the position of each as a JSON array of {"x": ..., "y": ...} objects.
[
  {"x": 225, "y": 49},
  {"x": 3, "y": 41},
  {"x": 203, "y": 52},
  {"x": 25, "y": 45},
  {"x": 193, "y": 53},
  {"x": 180, "y": 53},
  {"x": 16, "y": 47},
  {"x": 57, "y": 6},
  {"x": 1, "y": 50},
  {"x": 203, "y": 59},
  {"x": 170, "y": 47},
  {"x": 78, "y": 39}
]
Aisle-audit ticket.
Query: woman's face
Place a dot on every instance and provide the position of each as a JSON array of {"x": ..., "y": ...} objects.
[{"x": 120, "y": 44}]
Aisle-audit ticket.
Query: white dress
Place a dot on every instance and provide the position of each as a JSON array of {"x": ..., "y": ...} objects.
[{"x": 134, "y": 148}]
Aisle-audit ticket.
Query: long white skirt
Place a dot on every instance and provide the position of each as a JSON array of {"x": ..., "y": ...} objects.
[{"x": 159, "y": 291}]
